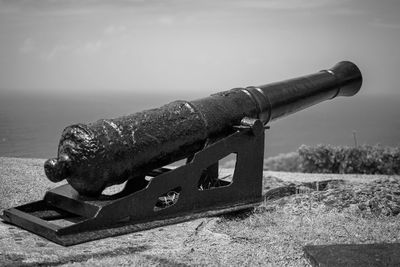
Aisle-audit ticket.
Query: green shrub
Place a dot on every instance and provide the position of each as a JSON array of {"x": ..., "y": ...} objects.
[
  {"x": 283, "y": 162},
  {"x": 319, "y": 159},
  {"x": 364, "y": 159}
]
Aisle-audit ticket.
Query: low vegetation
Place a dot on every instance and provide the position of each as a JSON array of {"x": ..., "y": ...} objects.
[
  {"x": 363, "y": 159},
  {"x": 299, "y": 209},
  {"x": 289, "y": 162},
  {"x": 336, "y": 212}
]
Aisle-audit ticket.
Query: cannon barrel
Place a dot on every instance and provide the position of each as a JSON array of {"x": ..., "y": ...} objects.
[{"x": 111, "y": 151}]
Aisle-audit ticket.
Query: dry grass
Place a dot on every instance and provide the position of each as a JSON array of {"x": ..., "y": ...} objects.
[
  {"x": 274, "y": 234},
  {"x": 22, "y": 181}
]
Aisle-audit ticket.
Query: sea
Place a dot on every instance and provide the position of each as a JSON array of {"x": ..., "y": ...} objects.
[{"x": 31, "y": 124}]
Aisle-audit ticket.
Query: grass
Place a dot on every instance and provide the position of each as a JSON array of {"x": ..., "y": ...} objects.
[
  {"x": 277, "y": 231},
  {"x": 272, "y": 235}
]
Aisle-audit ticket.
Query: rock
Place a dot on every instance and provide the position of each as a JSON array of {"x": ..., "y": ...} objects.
[
  {"x": 362, "y": 206},
  {"x": 395, "y": 209},
  {"x": 374, "y": 207},
  {"x": 354, "y": 255}
]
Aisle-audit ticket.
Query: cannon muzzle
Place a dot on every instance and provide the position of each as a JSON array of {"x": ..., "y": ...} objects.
[{"x": 111, "y": 151}]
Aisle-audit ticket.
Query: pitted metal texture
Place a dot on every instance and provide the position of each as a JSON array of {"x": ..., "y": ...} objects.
[{"x": 106, "y": 152}]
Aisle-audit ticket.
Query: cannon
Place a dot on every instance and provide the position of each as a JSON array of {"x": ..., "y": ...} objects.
[
  {"x": 94, "y": 156},
  {"x": 136, "y": 148}
]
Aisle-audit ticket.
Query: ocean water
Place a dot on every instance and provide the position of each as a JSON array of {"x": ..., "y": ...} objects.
[{"x": 31, "y": 125}]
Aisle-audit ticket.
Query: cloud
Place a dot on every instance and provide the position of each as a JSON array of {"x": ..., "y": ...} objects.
[
  {"x": 348, "y": 11},
  {"x": 165, "y": 20},
  {"x": 69, "y": 7},
  {"x": 112, "y": 29},
  {"x": 87, "y": 7},
  {"x": 57, "y": 50},
  {"x": 91, "y": 47},
  {"x": 386, "y": 25},
  {"x": 76, "y": 49},
  {"x": 27, "y": 46},
  {"x": 285, "y": 5}
]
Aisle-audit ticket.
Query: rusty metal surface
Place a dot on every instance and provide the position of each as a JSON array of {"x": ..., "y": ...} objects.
[{"x": 94, "y": 156}]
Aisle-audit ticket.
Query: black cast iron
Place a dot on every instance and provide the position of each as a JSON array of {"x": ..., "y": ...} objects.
[
  {"x": 94, "y": 156},
  {"x": 67, "y": 218}
]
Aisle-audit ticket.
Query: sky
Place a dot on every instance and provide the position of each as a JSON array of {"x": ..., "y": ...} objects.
[{"x": 118, "y": 46}]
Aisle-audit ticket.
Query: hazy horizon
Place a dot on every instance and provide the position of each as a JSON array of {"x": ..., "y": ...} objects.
[{"x": 34, "y": 128}]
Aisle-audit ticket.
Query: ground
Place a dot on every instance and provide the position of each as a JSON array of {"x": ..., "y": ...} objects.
[{"x": 348, "y": 209}]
